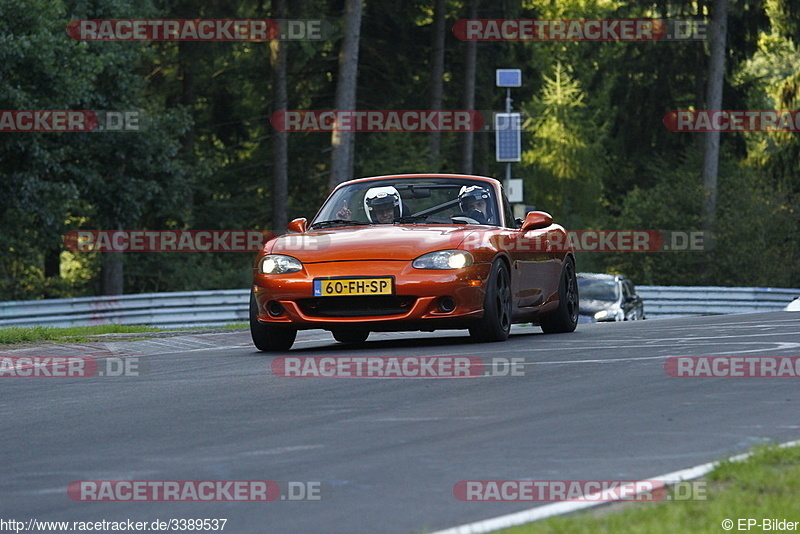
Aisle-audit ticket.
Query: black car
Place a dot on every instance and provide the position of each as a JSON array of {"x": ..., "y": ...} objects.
[{"x": 608, "y": 297}]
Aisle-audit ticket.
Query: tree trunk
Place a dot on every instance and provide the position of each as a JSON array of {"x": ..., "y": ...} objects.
[
  {"x": 52, "y": 263},
  {"x": 188, "y": 94},
  {"x": 716, "y": 77},
  {"x": 280, "y": 139},
  {"x": 186, "y": 67},
  {"x": 700, "y": 71},
  {"x": 485, "y": 153},
  {"x": 112, "y": 272},
  {"x": 469, "y": 93},
  {"x": 342, "y": 143},
  {"x": 437, "y": 75}
]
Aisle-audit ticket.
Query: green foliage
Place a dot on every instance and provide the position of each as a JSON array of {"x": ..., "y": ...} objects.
[
  {"x": 564, "y": 161},
  {"x": 753, "y": 244},
  {"x": 51, "y": 183},
  {"x": 402, "y": 153},
  {"x": 596, "y": 153}
]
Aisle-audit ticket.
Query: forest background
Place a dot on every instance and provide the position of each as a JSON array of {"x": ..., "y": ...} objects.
[{"x": 596, "y": 153}]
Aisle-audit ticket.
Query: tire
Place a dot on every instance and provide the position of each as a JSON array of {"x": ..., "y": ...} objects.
[
  {"x": 268, "y": 338},
  {"x": 495, "y": 325},
  {"x": 350, "y": 335},
  {"x": 565, "y": 318}
]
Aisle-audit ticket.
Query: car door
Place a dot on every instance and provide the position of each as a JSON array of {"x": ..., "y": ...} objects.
[
  {"x": 538, "y": 269},
  {"x": 637, "y": 301},
  {"x": 627, "y": 304},
  {"x": 632, "y": 303}
]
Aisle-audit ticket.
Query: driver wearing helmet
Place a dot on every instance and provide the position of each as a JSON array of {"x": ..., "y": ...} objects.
[
  {"x": 475, "y": 202},
  {"x": 383, "y": 205}
]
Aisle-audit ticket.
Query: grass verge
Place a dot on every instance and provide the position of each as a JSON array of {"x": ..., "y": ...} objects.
[
  {"x": 11, "y": 336},
  {"x": 764, "y": 486}
]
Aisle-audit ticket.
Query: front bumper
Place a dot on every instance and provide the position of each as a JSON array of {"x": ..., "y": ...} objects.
[
  {"x": 590, "y": 318},
  {"x": 415, "y": 305}
]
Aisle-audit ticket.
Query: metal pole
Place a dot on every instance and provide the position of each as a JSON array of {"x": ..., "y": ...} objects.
[{"x": 508, "y": 110}]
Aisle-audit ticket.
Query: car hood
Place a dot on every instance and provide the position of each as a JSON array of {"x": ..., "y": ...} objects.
[{"x": 378, "y": 242}]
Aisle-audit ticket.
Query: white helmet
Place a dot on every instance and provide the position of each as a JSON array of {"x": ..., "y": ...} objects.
[{"x": 379, "y": 197}]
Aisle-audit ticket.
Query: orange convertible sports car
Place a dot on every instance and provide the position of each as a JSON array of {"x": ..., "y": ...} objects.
[{"x": 414, "y": 252}]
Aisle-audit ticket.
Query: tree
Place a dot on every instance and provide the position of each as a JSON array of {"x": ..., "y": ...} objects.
[
  {"x": 280, "y": 139},
  {"x": 564, "y": 162},
  {"x": 471, "y": 62},
  {"x": 53, "y": 182},
  {"x": 437, "y": 78},
  {"x": 596, "y": 151},
  {"x": 716, "y": 78},
  {"x": 343, "y": 142}
]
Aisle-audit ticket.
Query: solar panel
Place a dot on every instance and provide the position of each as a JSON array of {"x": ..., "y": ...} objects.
[{"x": 508, "y": 146}]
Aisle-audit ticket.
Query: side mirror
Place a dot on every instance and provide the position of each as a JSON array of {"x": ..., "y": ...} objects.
[
  {"x": 298, "y": 226},
  {"x": 535, "y": 220}
]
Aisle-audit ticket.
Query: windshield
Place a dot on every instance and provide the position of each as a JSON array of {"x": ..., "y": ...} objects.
[
  {"x": 590, "y": 289},
  {"x": 411, "y": 200}
]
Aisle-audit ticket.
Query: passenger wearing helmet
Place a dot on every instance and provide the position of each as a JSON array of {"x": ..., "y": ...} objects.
[
  {"x": 475, "y": 203},
  {"x": 383, "y": 205}
]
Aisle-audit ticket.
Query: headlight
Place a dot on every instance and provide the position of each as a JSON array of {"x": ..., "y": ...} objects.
[
  {"x": 277, "y": 264},
  {"x": 443, "y": 259},
  {"x": 614, "y": 314}
]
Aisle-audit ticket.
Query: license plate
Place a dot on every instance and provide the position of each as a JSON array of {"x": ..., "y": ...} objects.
[{"x": 338, "y": 287}]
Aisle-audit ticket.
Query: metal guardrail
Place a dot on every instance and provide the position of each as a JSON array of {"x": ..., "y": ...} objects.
[
  {"x": 682, "y": 301},
  {"x": 168, "y": 310},
  {"x": 220, "y": 307}
]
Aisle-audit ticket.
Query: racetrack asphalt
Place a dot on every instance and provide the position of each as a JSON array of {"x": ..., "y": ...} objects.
[{"x": 596, "y": 404}]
